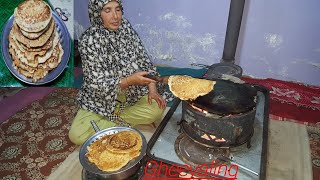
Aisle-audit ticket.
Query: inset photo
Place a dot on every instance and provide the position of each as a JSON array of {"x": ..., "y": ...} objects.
[{"x": 36, "y": 43}]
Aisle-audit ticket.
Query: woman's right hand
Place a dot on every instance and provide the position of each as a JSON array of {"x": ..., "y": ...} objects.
[{"x": 139, "y": 78}]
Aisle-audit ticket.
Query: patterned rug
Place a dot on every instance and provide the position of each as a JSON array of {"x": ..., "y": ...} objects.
[
  {"x": 314, "y": 139},
  {"x": 34, "y": 141},
  {"x": 292, "y": 100}
]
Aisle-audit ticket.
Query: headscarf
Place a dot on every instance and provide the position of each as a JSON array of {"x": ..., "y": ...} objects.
[
  {"x": 95, "y": 8},
  {"x": 108, "y": 56}
]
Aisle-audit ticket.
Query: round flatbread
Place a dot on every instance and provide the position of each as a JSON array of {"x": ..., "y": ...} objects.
[
  {"x": 54, "y": 60},
  {"x": 33, "y": 15},
  {"x": 17, "y": 53},
  {"x": 34, "y": 35},
  {"x": 112, "y": 162},
  {"x": 125, "y": 142},
  {"x": 189, "y": 88},
  {"x": 112, "y": 152},
  {"x": 30, "y": 43}
]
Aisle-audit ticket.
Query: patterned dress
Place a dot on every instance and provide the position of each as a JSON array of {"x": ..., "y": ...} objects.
[{"x": 108, "y": 56}]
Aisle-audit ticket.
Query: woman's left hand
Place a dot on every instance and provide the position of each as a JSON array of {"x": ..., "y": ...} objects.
[
  {"x": 161, "y": 102},
  {"x": 153, "y": 94}
]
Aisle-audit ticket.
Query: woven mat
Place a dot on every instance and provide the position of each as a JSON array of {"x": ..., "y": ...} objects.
[
  {"x": 7, "y": 79},
  {"x": 34, "y": 141}
]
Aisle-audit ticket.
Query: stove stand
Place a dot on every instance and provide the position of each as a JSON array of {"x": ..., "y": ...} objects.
[{"x": 170, "y": 146}]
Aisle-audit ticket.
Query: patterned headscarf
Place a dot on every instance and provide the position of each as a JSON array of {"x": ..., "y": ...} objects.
[{"x": 95, "y": 8}]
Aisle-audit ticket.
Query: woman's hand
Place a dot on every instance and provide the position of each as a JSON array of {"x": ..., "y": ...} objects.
[
  {"x": 153, "y": 94},
  {"x": 139, "y": 78}
]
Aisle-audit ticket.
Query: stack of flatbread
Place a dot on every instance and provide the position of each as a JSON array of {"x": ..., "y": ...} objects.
[
  {"x": 189, "y": 88},
  {"x": 112, "y": 152},
  {"x": 34, "y": 42}
]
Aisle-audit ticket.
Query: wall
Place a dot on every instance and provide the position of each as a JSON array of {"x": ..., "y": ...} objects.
[
  {"x": 281, "y": 40},
  {"x": 278, "y": 39},
  {"x": 180, "y": 32}
]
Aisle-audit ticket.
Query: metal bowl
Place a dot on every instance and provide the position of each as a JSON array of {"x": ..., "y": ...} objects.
[
  {"x": 65, "y": 41},
  {"x": 123, "y": 173}
]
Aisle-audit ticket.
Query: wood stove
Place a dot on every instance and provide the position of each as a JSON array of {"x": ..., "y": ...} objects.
[
  {"x": 217, "y": 131},
  {"x": 222, "y": 118},
  {"x": 185, "y": 136}
]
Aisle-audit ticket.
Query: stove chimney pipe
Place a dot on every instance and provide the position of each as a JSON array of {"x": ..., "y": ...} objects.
[{"x": 233, "y": 29}]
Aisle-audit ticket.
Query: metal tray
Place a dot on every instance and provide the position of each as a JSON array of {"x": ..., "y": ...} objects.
[
  {"x": 53, "y": 74},
  {"x": 93, "y": 168}
]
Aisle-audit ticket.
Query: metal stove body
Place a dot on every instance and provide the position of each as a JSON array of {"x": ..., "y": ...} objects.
[
  {"x": 217, "y": 131},
  {"x": 170, "y": 144}
]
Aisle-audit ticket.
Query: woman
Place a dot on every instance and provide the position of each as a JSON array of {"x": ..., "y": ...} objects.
[{"x": 115, "y": 91}]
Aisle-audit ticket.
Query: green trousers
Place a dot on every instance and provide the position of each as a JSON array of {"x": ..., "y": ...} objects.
[{"x": 140, "y": 113}]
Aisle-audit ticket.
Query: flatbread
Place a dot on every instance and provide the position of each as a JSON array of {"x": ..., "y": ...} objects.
[
  {"x": 46, "y": 46},
  {"x": 125, "y": 142},
  {"x": 34, "y": 42},
  {"x": 33, "y": 15},
  {"x": 34, "y": 35},
  {"x": 189, "y": 88},
  {"x": 96, "y": 148},
  {"x": 39, "y": 74},
  {"x": 113, "y": 152},
  {"x": 15, "y": 51},
  {"x": 49, "y": 53},
  {"x": 28, "y": 54},
  {"x": 134, "y": 154},
  {"x": 31, "y": 68},
  {"x": 112, "y": 162},
  {"x": 54, "y": 59},
  {"x": 18, "y": 64}
]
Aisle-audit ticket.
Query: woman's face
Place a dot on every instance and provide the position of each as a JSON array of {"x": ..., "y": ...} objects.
[{"x": 111, "y": 15}]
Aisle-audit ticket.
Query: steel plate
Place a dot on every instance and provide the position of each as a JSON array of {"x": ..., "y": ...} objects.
[
  {"x": 53, "y": 74},
  {"x": 88, "y": 166}
]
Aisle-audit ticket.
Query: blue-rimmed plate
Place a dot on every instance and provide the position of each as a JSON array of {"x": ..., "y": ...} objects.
[{"x": 53, "y": 74}]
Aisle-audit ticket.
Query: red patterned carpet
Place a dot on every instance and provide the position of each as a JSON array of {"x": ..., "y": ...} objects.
[
  {"x": 298, "y": 103},
  {"x": 291, "y": 100},
  {"x": 35, "y": 141}
]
